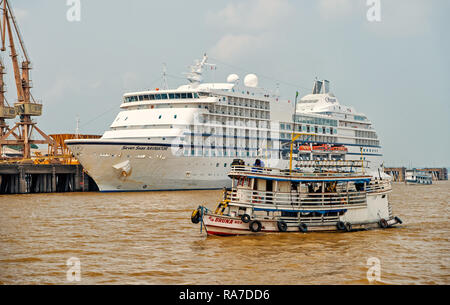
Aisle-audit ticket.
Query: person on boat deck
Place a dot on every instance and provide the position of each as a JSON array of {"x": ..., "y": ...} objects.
[{"x": 258, "y": 163}]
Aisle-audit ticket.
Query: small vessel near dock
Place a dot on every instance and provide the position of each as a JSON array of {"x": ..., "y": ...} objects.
[
  {"x": 418, "y": 177},
  {"x": 314, "y": 196}
]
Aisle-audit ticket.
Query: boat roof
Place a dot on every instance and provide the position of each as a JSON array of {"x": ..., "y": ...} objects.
[{"x": 267, "y": 173}]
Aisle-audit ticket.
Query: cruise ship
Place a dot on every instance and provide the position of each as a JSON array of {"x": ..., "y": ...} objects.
[{"x": 187, "y": 138}]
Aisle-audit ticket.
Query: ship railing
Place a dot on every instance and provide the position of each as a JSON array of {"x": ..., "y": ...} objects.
[
  {"x": 297, "y": 199},
  {"x": 319, "y": 219},
  {"x": 379, "y": 186},
  {"x": 247, "y": 169}
]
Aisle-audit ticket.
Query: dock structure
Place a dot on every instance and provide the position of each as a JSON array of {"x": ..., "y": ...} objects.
[
  {"x": 44, "y": 178},
  {"x": 436, "y": 173},
  {"x": 398, "y": 173}
]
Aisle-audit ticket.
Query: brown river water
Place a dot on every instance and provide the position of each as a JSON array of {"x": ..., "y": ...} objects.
[{"x": 148, "y": 238}]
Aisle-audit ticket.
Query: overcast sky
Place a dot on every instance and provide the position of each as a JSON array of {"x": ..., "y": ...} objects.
[{"x": 396, "y": 71}]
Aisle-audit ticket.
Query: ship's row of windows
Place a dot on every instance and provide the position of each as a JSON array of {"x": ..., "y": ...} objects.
[
  {"x": 219, "y": 152},
  {"x": 250, "y": 113},
  {"x": 346, "y": 116},
  {"x": 251, "y": 103},
  {"x": 160, "y": 96},
  {"x": 368, "y": 142},
  {"x": 366, "y": 134},
  {"x": 314, "y": 120},
  {"x": 354, "y": 125},
  {"x": 237, "y": 121},
  {"x": 370, "y": 150},
  {"x": 307, "y": 128}
]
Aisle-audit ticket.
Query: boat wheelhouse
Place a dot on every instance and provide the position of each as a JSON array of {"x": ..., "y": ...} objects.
[{"x": 315, "y": 196}]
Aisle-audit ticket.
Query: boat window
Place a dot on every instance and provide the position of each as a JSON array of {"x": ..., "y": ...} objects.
[
  {"x": 171, "y": 96},
  {"x": 196, "y": 95},
  {"x": 141, "y": 97},
  {"x": 183, "y": 95},
  {"x": 151, "y": 97},
  {"x": 164, "y": 96},
  {"x": 177, "y": 95},
  {"x": 157, "y": 96},
  {"x": 146, "y": 98},
  {"x": 189, "y": 95}
]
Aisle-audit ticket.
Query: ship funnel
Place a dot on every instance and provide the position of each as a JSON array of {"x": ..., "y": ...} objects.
[{"x": 321, "y": 87}]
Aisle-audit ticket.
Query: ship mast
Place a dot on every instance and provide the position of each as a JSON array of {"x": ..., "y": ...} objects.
[{"x": 26, "y": 106}]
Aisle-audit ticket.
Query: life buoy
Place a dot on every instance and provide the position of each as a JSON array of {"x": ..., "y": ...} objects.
[
  {"x": 348, "y": 226},
  {"x": 398, "y": 220},
  {"x": 245, "y": 218},
  {"x": 383, "y": 223},
  {"x": 282, "y": 226},
  {"x": 255, "y": 226},
  {"x": 195, "y": 216},
  {"x": 303, "y": 227},
  {"x": 340, "y": 226}
]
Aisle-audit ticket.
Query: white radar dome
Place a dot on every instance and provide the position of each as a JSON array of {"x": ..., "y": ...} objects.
[
  {"x": 251, "y": 80},
  {"x": 232, "y": 78}
]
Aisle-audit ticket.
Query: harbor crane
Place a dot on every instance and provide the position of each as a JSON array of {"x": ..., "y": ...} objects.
[{"x": 26, "y": 106}]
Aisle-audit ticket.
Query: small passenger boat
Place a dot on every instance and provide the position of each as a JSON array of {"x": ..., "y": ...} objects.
[{"x": 324, "y": 198}]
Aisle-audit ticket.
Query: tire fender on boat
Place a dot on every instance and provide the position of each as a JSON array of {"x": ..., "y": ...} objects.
[
  {"x": 245, "y": 218},
  {"x": 303, "y": 227},
  {"x": 398, "y": 220},
  {"x": 383, "y": 223},
  {"x": 282, "y": 226},
  {"x": 195, "y": 216},
  {"x": 254, "y": 223},
  {"x": 348, "y": 226},
  {"x": 340, "y": 226}
]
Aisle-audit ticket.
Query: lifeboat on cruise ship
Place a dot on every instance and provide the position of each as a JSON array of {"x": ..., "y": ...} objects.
[
  {"x": 339, "y": 149},
  {"x": 304, "y": 148},
  {"x": 323, "y": 147}
]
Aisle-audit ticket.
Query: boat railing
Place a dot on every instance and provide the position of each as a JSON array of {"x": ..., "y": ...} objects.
[
  {"x": 379, "y": 186},
  {"x": 254, "y": 197},
  {"x": 308, "y": 219},
  {"x": 247, "y": 169}
]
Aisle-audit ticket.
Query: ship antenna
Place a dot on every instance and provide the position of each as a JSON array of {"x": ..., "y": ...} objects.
[
  {"x": 164, "y": 77},
  {"x": 195, "y": 75},
  {"x": 77, "y": 130}
]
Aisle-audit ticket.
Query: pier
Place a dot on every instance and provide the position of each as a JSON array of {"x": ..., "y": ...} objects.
[
  {"x": 399, "y": 173},
  {"x": 44, "y": 178}
]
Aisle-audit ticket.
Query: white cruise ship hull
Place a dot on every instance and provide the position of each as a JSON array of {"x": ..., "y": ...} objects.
[{"x": 118, "y": 166}]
